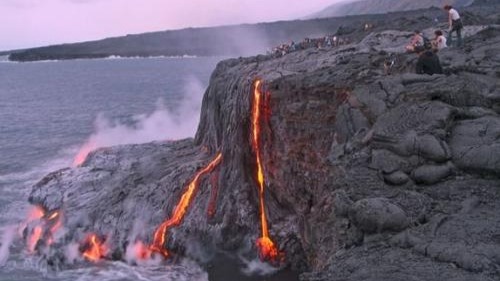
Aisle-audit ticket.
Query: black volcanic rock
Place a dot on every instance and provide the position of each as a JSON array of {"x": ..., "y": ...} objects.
[
  {"x": 368, "y": 176},
  {"x": 377, "y": 215}
]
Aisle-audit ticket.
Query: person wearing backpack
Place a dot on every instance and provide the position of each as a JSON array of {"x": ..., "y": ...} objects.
[
  {"x": 427, "y": 43},
  {"x": 455, "y": 25}
]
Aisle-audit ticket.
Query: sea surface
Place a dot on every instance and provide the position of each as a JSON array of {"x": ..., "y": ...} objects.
[{"x": 50, "y": 110}]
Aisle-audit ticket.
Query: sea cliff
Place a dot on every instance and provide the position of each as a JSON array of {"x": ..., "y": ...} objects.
[{"x": 367, "y": 176}]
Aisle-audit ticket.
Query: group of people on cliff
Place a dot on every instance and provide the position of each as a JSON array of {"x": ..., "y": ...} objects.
[
  {"x": 319, "y": 43},
  {"x": 327, "y": 41},
  {"x": 427, "y": 50}
]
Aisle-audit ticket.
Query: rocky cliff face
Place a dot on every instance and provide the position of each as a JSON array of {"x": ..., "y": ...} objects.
[{"x": 368, "y": 176}]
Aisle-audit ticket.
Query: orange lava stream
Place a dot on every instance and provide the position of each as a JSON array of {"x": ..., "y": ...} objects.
[
  {"x": 36, "y": 213},
  {"x": 34, "y": 238},
  {"x": 53, "y": 216},
  {"x": 96, "y": 249},
  {"x": 267, "y": 248},
  {"x": 83, "y": 153},
  {"x": 55, "y": 227},
  {"x": 181, "y": 208}
]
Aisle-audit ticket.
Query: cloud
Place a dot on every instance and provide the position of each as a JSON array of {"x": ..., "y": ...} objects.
[{"x": 20, "y": 4}]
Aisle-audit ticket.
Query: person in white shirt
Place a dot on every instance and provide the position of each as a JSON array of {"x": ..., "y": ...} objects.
[
  {"x": 439, "y": 41},
  {"x": 455, "y": 25}
]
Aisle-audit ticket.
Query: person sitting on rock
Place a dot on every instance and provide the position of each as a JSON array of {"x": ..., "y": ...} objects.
[
  {"x": 428, "y": 62},
  {"x": 416, "y": 41},
  {"x": 439, "y": 41},
  {"x": 455, "y": 25}
]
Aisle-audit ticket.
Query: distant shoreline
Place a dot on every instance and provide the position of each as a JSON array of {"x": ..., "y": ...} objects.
[{"x": 4, "y": 59}]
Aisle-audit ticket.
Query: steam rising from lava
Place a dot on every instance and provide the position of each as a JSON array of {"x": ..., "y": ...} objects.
[
  {"x": 6, "y": 240},
  {"x": 162, "y": 124}
]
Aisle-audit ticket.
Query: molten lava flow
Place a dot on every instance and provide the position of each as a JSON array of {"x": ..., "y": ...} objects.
[
  {"x": 34, "y": 238},
  {"x": 96, "y": 249},
  {"x": 83, "y": 153},
  {"x": 267, "y": 248},
  {"x": 181, "y": 208},
  {"x": 55, "y": 227},
  {"x": 53, "y": 215},
  {"x": 55, "y": 220},
  {"x": 36, "y": 213}
]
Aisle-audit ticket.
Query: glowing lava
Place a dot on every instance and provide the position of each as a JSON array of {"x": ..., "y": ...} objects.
[
  {"x": 84, "y": 152},
  {"x": 141, "y": 251},
  {"x": 181, "y": 208},
  {"x": 267, "y": 247},
  {"x": 34, "y": 238},
  {"x": 35, "y": 214},
  {"x": 96, "y": 248},
  {"x": 56, "y": 216}
]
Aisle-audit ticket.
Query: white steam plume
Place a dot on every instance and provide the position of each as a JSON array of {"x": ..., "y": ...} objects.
[
  {"x": 257, "y": 267},
  {"x": 137, "y": 252},
  {"x": 162, "y": 124},
  {"x": 6, "y": 240},
  {"x": 72, "y": 253},
  {"x": 254, "y": 267}
]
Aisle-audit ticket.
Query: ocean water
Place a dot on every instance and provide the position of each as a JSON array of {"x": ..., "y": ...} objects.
[{"x": 50, "y": 110}]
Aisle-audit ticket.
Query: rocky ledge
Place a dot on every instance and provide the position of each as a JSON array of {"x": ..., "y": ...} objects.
[{"x": 368, "y": 176}]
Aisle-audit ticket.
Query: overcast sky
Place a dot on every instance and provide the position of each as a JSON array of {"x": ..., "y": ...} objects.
[{"x": 29, "y": 23}]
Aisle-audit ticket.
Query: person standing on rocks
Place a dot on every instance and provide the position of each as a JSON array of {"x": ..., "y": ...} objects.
[
  {"x": 428, "y": 62},
  {"x": 455, "y": 25}
]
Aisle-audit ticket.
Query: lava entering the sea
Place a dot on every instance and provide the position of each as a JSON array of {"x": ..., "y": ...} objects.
[
  {"x": 42, "y": 222},
  {"x": 84, "y": 151},
  {"x": 267, "y": 248},
  {"x": 181, "y": 208},
  {"x": 141, "y": 251},
  {"x": 95, "y": 248}
]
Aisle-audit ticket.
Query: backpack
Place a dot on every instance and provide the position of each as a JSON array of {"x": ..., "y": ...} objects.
[{"x": 427, "y": 43}]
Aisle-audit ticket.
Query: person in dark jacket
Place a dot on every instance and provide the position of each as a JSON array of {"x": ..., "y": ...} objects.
[{"x": 428, "y": 62}]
